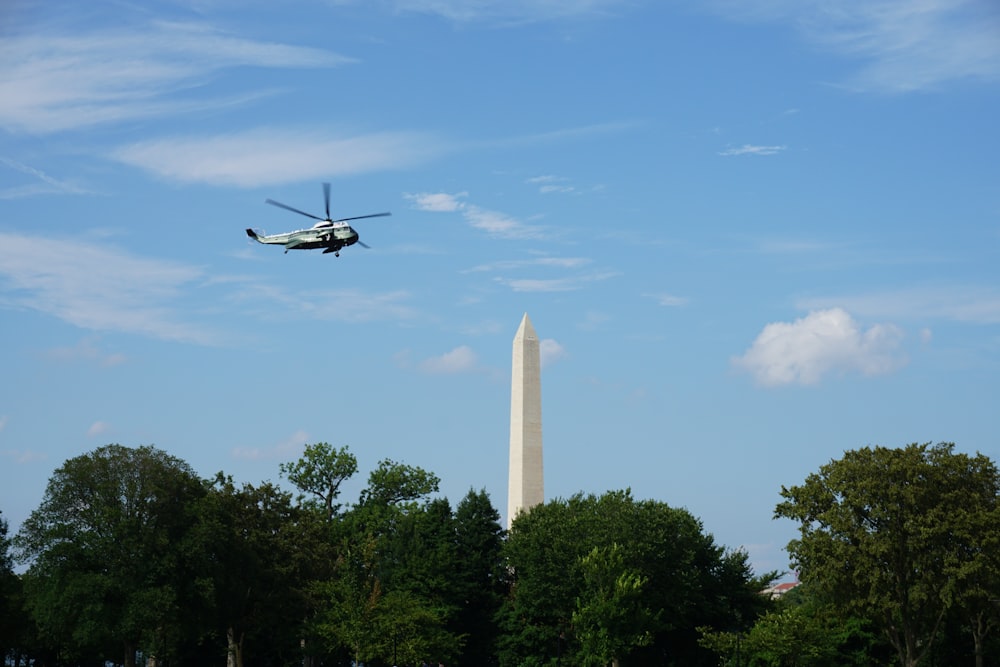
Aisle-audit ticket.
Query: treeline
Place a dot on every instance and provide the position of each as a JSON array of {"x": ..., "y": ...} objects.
[{"x": 132, "y": 558}]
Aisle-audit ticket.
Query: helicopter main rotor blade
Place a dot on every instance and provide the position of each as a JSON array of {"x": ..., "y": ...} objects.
[
  {"x": 293, "y": 210},
  {"x": 360, "y": 217},
  {"x": 326, "y": 198},
  {"x": 364, "y": 245}
]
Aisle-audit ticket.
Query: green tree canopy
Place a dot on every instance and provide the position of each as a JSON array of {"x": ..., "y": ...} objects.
[
  {"x": 894, "y": 535},
  {"x": 110, "y": 572},
  {"x": 319, "y": 474},
  {"x": 670, "y": 574}
]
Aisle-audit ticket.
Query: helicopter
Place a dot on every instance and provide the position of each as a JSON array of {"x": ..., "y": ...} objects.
[{"x": 329, "y": 234}]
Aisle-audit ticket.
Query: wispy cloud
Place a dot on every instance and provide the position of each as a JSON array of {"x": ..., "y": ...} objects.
[
  {"x": 665, "y": 299},
  {"x": 345, "y": 305},
  {"x": 494, "y": 223},
  {"x": 51, "y": 82},
  {"x": 41, "y": 183},
  {"x": 749, "y": 149},
  {"x": 549, "y": 184},
  {"x": 462, "y": 359},
  {"x": 23, "y": 456},
  {"x": 99, "y": 288},
  {"x": 822, "y": 342},
  {"x": 567, "y": 284},
  {"x": 510, "y": 11},
  {"x": 958, "y": 303},
  {"x": 902, "y": 45},
  {"x": 284, "y": 449},
  {"x": 265, "y": 156},
  {"x": 550, "y": 262},
  {"x": 86, "y": 350}
]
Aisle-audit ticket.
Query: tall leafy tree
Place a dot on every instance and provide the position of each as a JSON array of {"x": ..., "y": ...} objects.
[
  {"x": 397, "y": 486},
  {"x": 388, "y": 595},
  {"x": 479, "y": 577},
  {"x": 319, "y": 474},
  {"x": 109, "y": 569},
  {"x": 669, "y": 568},
  {"x": 255, "y": 540},
  {"x": 890, "y": 535}
]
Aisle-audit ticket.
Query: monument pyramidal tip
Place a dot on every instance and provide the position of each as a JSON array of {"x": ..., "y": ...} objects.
[{"x": 525, "y": 487}]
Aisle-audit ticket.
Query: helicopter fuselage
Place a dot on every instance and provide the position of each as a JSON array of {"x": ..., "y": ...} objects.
[{"x": 331, "y": 236}]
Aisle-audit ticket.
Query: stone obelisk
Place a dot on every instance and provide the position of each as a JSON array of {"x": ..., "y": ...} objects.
[{"x": 524, "y": 484}]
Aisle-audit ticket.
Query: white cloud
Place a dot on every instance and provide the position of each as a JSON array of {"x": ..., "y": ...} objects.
[
  {"x": 460, "y": 360},
  {"x": 500, "y": 224},
  {"x": 265, "y": 156},
  {"x": 98, "y": 428},
  {"x": 439, "y": 202},
  {"x": 51, "y": 82},
  {"x": 550, "y": 351},
  {"x": 749, "y": 149},
  {"x": 98, "y": 288},
  {"x": 825, "y": 341}
]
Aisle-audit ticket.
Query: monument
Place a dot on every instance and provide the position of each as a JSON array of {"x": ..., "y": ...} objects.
[{"x": 524, "y": 483}]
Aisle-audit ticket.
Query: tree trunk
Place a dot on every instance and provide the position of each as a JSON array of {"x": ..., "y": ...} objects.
[
  {"x": 129, "y": 655},
  {"x": 234, "y": 649},
  {"x": 979, "y": 630}
]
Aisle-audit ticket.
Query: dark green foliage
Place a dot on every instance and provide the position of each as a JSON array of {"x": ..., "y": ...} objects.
[
  {"x": 253, "y": 538},
  {"x": 319, "y": 474},
  {"x": 131, "y": 555},
  {"x": 15, "y": 628},
  {"x": 110, "y": 571},
  {"x": 479, "y": 578},
  {"x": 801, "y": 631},
  {"x": 686, "y": 580}
]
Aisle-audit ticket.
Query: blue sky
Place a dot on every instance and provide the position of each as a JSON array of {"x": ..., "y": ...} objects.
[{"x": 751, "y": 235}]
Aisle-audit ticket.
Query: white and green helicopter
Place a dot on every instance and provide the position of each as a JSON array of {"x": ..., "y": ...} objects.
[{"x": 329, "y": 234}]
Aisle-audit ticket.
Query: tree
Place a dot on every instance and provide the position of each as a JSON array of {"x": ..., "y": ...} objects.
[
  {"x": 886, "y": 533},
  {"x": 478, "y": 576},
  {"x": 254, "y": 540},
  {"x": 319, "y": 474},
  {"x": 389, "y": 595},
  {"x": 397, "y": 485},
  {"x": 13, "y": 626},
  {"x": 675, "y": 579},
  {"x": 109, "y": 570}
]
